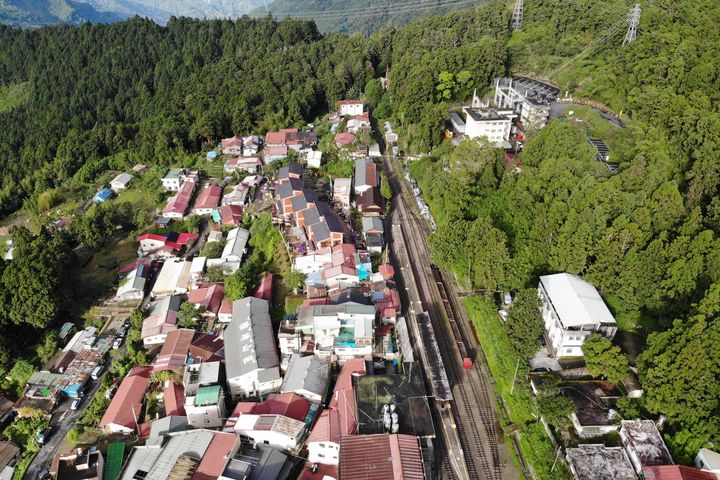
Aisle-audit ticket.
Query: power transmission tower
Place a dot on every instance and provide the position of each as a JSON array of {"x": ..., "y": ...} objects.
[
  {"x": 633, "y": 19},
  {"x": 517, "y": 17}
]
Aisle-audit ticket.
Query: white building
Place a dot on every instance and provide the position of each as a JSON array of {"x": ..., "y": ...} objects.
[
  {"x": 197, "y": 375},
  {"x": 251, "y": 359},
  {"x": 342, "y": 188},
  {"x": 492, "y": 124},
  {"x": 307, "y": 376},
  {"x": 324, "y": 440},
  {"x": 197, "y": 268},
  {"x": 345, "y": 331},
  {"x": 708, "y": 460},
  {"x": 173, "y": 278},
  {"x": 132, "y": 287},
  {"x": 172, "y": 180},
  {"x": 572, "y": 310},
  {"x": 206, "y": 409},
  {"x": 312, "y": 262},
  {"x": 277, "y": 431},
  {"x": 120, "y": 182},
  {"x": 351, "y": 107},
  {"x": 314, "y": 159},
  {"x": 235, "y": 248}
]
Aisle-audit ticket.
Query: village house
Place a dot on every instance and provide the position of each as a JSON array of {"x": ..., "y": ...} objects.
[
  {"x": 206, "y": 408},
  {"x": 238, "y": 195},
  {"x": 344, "y": 139},
  {"x": 103, "y": 195},
  {"x": 173, "y": 354},
  {"x": 197, "y": 269},
  {"x": 279, "y": 421},
  {"x": 572, "y": 310},
  {"x": 208, "y": 200},
  {"x": 207, "y": 347},
  {"x": 370, "y": 202},
  {"x": 339, "y": 419},
  {"x": 342, "y": 189},
  {"x": 208, "y": 298},
  {"x": 173, "y": 279},
  {"x": 199, "y": 454},
  {"x": 274, "y": 153},
  {"x": 307, "y": 376},
  {"x": 708, "y": 460},
  {"x": 228, "y": 215},
  {"x": 359, "y": 123},
  {"x": 120, "y": 182},
  {"x": 122, "y": 414},
  {"x": 164, "y": 245},
  {"x": 593, "y": 462},
  {"x": 178, "y": 204},
  {"x": 234, "y": 250},
  {"x": 644, "y": 445},
  {"x": 232, "y": 146},
  {"x": 250, "y": 357},
  {"x": 365, "y": 175},
  {"x": 314, "y": 159},
  {"x": 350, "y": 108},
  {"x": 286, "y": 191},
  {"x": 386, "y": 456},
  {"x": 294, "y": 170},
  {"x": 79, "y": 464},
  {"x": 132, "y": 287},
  {"x": 242, "y": 164},
  {"x": 345, "y": 330},
  {"x": 291, "y": 138},
  {"x": 160, "y": 320},
  {"x": 203, "y": 374},
  {"x": 172, "y": 179},
  {"x": 251, "y": 145}
]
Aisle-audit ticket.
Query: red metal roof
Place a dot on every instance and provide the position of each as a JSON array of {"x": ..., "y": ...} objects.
[
  {"x": 323, "y": 471},
  {"x": 232, "y": 142},
  {"x": 390, "y": 457},
  {"x": 206, "y": 346},
  {"x": 210, "y": 297},
  {"x": 127, "y": 402},
  {"x": 179, "y": 202},
  {"x": 676, "y": 472},
  {"x": 350, "y": 102},
  {"x": 174, "y": 398},
  {"x": 387, "y": 271},
  {"x": 344, "y": 138},
  {"x": 230, "y": 214},
  {"x": 216, "y": 457},
  {"x": 326, "y": 428},
  {"x": 343, "y": 399},
  {"x": 209, "y": 197},
  {"x": 276, "y": 150},
  {"x": 174, "y": 352},
  {"x": 264, "y": 290}
]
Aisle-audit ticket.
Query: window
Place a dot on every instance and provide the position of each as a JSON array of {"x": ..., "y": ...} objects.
[{"x": 321, "y": 455}]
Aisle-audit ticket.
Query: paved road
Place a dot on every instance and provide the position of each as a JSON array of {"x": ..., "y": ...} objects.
[{"x": 62, "y": 421}]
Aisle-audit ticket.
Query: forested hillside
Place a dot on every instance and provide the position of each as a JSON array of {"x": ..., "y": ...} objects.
[
  {"x": 362, "y": 16},
  {"x": 33, "y": 13}
]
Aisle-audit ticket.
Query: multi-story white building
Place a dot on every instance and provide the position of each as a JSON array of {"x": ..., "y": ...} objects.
[
  {"x": 351, "y": 107},
  {"x": 495, "y": 125},
  {"x": 206, "y": 409},
  {"x": 572, "y": 310},
  {"x": 251, "y": 359}
]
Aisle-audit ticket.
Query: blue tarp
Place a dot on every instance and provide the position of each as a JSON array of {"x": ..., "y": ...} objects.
[
  {"x": 363, "y": 272},
  {"x": 212, "y": 154},
  {"x": 102, "y": 195}
]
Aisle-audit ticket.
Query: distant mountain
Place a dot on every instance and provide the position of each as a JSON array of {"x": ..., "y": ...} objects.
[
  {"x": 33, "y": 13},
  {"x": 363, "y": 16}
]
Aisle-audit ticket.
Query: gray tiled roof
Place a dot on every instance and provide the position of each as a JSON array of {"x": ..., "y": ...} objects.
[
  {"x": 312, "y": 216},
  {"x": 320, "y": 231}
]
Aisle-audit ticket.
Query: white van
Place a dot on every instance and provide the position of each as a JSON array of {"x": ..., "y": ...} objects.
[{"x": 96, "y": 372}]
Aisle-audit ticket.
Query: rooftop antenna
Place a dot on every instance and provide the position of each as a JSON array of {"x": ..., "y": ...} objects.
[
  {"x": 517, "y": 17},
  {"x": 633, "y": 19}
]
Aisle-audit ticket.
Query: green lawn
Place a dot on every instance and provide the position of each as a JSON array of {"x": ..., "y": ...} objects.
[{"x": 537, "y": 449}]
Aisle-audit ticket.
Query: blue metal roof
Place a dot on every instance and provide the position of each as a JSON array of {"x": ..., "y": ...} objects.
[{"x": 103, "y": 195}]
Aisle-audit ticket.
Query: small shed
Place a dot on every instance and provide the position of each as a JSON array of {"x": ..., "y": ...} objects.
[{"x": 103, "y": 195}]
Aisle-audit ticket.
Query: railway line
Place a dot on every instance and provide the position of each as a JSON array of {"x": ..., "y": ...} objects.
[{"x": 473, "y": 403}]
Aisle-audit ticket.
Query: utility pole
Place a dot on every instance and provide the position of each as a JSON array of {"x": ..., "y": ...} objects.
[
  {"x": 517, "y": 17},
  {"x": 633, "y": 20}
]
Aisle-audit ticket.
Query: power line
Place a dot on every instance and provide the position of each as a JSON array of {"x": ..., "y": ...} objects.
[
  {"x": 594, "y": 44},
  {"x": 376, "y": 10}
]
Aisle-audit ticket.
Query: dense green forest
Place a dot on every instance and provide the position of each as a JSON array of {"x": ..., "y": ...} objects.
[
  {"x": 99, "y": 97},
  {"x": 361, "y": 16}
]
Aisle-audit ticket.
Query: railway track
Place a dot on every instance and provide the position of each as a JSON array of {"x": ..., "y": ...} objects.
[{"x": 473, "y": 405}]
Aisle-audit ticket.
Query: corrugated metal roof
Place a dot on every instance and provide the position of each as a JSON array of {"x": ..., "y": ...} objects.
[
  {"x": 576, "y": 301},
  {"x": 392, "y": 457},
  {"x": 249, "y": 339},
  {"x": 308, "y": 373}
]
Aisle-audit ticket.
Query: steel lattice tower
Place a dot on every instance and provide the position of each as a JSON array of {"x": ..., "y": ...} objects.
[
  {"x": 517, "y": 17},
  {"x": 633, "y": 20}
]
